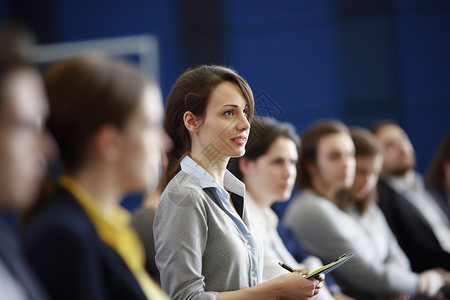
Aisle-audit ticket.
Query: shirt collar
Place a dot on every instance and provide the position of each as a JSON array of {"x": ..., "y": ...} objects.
[
  {"x": 398, "y": 183},
  {"x": 205, "y": 180}
]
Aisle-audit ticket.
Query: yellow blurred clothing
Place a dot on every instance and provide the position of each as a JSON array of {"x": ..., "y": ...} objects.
[{"x": 114, "y": 229}]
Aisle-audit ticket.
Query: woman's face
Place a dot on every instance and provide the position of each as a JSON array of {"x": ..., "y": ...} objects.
[
  {"x": 368, "y": 170},
  {"x": 335, "y": 161},
  {"x": 271, "y": 176},
  {"x": 143, "y": 141},
  {"x": 224, "y": 129}
]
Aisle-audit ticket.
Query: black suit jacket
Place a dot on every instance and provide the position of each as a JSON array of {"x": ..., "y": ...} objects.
[
  {"x": 66, "y": 252},
  {"x": 12, "y": 257},
  {"x": 441, "y": 198},
  {"x": 412, "y": 231}
]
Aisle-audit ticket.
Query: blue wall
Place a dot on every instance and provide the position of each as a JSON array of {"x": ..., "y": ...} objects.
[
  {"x": 288, "y": 50},
  {"x": 304, "y": 59},
  {"x": 317, "y": 61},
  {"x": 423, "y": 33}
]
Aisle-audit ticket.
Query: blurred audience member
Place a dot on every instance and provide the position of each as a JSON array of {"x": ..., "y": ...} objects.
[
  {"x": 106, "y": 119},
  {"x": 361, "y": 203},
  {"x": 23, "y": 153},
  {"x": 437, "y": 178},
  {"x": 414, "y": 215}
]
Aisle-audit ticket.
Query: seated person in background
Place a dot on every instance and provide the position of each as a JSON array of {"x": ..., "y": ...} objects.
[
  {"x": 360, "y": 202},
  {"x": 23, "y": 153},
  {"x": 205, "y": 248},
  {"x": 106, "y": 118},
  {"x": 415, "y": 217},
  {"x": 437, "y": 178},
  {"x": 268, "y": 170},
  {"x": 327, "y": 171}
]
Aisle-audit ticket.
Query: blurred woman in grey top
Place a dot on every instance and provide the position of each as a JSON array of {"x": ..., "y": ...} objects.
[{"x": 203, "y": 241}]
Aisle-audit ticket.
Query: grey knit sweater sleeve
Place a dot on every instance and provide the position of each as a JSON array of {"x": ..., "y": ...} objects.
[{"x": 199, "y": 249}]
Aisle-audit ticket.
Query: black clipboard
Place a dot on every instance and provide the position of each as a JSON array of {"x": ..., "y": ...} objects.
[{"x": 331, "y": 266}]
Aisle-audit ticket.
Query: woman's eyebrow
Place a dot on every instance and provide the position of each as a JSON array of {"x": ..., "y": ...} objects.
[{"x": 232, "y": 105}]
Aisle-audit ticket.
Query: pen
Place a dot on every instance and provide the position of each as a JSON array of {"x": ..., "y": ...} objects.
[{"x": 285, "y": 266}]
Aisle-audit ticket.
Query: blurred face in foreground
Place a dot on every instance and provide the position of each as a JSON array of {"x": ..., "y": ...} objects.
[
  {"x": 143, "y": 141},
  {"x": 23, "y": 145}
]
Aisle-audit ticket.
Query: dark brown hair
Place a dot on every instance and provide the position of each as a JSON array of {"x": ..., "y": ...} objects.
[
  {"x": 191, "y": 92},
  {"x": 435, "y": 173},
  {"x": 366, "y": 145},
  {"x": 86, "y": 93},
  {"x": 310, "y": 139},
  {"x": 264, "y": 132}
]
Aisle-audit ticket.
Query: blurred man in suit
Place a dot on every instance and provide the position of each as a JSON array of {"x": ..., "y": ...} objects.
[{"x": 415, "y": 217}]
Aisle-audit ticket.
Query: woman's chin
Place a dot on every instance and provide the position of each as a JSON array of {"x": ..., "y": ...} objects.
[{"x": 237, "y": 154}]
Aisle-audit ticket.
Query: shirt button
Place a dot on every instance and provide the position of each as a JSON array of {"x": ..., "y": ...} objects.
[
  {"x": 253, "y": 273},
  {"x": 249, "y": 247}
]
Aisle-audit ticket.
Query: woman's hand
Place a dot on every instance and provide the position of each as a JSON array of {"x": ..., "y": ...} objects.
[
  {"x": 296, "y": 286},
  {"x": 289, "y": 286},
  {"x": 318, "y": 279},
  {"x": 319, "y": 282}
]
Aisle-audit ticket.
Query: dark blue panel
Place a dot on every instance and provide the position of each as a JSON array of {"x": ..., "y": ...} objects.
[
  {"x": 368, "y": 60},
  {"x": 424, "y": 47},
  {"x": 254, "y": 14},
  {"x": 426, "y": 128},
  {"x": 403, "y": 5},
  {"x": 94, "y": 19},
  {"x": 423, "y": 30},
  {"x": 4, "y": 11},
  {"x": 287, "y": 52},
  {"x": 296, "y": 68}
]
